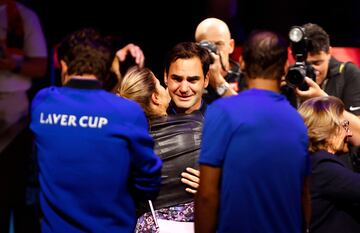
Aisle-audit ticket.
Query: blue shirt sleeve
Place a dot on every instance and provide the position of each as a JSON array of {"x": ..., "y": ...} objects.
[{"x": 146, "y": 165}]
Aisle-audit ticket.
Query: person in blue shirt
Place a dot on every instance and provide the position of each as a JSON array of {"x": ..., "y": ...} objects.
[
  {"x": 254, "y": 163},
  {"x": 94, "y": 152}
]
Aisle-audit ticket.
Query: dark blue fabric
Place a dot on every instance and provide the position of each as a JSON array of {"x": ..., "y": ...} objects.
[
  {"x": 260, "y": 142},
  {"x": 335, "y": 195},
  {"x": 94, "y": 154}
]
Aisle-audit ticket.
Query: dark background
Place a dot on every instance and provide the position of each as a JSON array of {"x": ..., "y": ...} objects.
[{"x": 156, "y": 26}]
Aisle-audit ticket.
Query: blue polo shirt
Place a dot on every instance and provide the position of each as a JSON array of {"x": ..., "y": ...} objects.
[{"x": 260, "y": 143}]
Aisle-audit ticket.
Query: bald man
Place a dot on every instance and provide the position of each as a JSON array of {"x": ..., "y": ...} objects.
[{"x": 225, "y": 75}]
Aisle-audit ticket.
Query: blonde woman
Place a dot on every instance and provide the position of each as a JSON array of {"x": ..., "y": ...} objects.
[
  {"x": 335, "y": 188},
  {"x": 177, "y": 142}
]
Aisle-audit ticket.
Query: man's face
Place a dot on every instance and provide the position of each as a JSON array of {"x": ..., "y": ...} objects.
[
  {"x": 186, "y": 83},
  {"x": 320, "y": 62}
]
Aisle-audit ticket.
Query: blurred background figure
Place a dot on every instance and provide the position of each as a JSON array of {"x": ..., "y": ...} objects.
[{"x": 23, "y": 58}]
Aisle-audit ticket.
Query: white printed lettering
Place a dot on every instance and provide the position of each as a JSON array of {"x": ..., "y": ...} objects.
[{"x": 72, "y": 121}]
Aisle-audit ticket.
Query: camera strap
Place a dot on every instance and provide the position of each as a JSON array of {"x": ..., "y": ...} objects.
[{"x": 341, "y": 70}]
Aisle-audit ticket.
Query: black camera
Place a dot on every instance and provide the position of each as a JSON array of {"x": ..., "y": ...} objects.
[
  {"x": 211, "y": 47},
  {"x": 295, "y": 76}
]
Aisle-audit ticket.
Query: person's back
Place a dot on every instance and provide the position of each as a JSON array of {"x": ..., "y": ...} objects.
[
  {"x": 255, "y": 144},
  {"x": 261, "y": 180},
  {"x": 94, "y": 157}
]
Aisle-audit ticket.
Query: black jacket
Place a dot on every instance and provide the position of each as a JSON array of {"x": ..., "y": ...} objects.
[
  {"x": 335, "y": 195},
  {"x": 177, "y": 142}
]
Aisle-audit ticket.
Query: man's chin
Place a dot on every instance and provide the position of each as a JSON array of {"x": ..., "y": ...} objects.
[{"x": 183, "y": 104}]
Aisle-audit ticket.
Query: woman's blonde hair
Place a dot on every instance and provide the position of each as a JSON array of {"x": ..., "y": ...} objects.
[
  {"x": 138, "y": 84},
  {"x": 322, "y": 116}
]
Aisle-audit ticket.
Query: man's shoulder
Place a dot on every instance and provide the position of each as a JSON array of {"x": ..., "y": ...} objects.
[{"x": 337, "y": 68}]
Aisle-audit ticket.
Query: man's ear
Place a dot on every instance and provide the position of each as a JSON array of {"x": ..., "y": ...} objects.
[
  {"x": 286, "y": 66},
  {"x": 207, "y": 79},
  {"x": 64, "y": 69},
  {"x": 232, "y": 46},
  {"x": 242, "y": 63},
  {"x": 165, "y": 78},
  {"x": 155, "y": 98}
]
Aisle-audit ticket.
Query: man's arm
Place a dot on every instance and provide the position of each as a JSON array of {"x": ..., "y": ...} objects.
[
  {"x": 315, "y": 91},
  {"x": 207, "y": 200},
  {"x": 216, "y": 79}
]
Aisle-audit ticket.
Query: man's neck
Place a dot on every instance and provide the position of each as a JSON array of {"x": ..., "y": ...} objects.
[
  {"x": 174, "y": 109},
  {"x": 264, "y": 84},
  {"x": 85, "y": 77}
]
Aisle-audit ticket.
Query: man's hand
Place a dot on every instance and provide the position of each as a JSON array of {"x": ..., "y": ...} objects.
[
  {"x": 313, "y": 91},
  {"x": 134, "y": 51},
  {"x": 192, "y": 178}
]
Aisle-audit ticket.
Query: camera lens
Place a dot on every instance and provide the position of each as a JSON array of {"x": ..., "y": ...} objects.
[{"x": 295, "y": 77}]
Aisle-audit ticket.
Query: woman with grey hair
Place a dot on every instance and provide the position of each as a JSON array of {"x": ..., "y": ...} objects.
[{"x": 335, "y": 188}]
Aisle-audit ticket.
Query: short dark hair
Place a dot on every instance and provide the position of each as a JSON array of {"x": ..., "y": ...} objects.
[
  {"x": 318, "y": 38},
  {"x": 187, "y": 50},
  {"x": 86, "y": 51},
  {"x": 265, "y": 55}
]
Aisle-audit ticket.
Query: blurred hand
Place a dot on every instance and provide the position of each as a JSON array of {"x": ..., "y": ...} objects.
[
  {"x": 134, "y": 51},
  {"x": 191, "y": 178},
  {"x": 215, "y": 76}
]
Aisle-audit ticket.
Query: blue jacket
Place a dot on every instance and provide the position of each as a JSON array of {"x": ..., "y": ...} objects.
[{"x": 95, "y": 155}]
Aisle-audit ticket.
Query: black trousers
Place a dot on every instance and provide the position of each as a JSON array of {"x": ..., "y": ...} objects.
[{"x": 16, "y": 170}]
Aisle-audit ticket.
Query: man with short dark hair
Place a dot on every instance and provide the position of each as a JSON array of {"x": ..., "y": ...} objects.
[
  {"x": 186, "y": 76},
  {"x": 335, "y": 78},
  {"x": 253, "y": 161},
  {"x": 94, "y": 151}
]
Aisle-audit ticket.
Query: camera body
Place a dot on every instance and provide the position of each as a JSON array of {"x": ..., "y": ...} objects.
[
  {"x": 295, "y": 76},
  {"x": 211, "y": 47}
]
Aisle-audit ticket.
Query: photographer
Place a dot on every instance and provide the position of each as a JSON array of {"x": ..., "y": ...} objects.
[
  {"x": 335, "y": 78},
  {"x": 224, "y": 75}
]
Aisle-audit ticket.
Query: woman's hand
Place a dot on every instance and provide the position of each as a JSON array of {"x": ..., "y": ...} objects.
[{"x": 191, "y": 178}]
